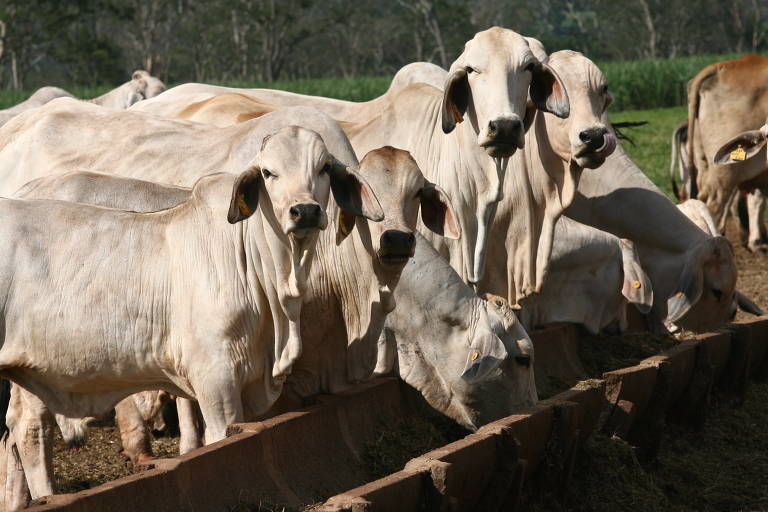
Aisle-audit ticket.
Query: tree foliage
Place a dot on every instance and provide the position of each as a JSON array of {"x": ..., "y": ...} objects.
[{"x": 101, "y": 41}]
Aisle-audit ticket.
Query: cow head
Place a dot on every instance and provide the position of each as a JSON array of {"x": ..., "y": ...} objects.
[
  {"x": 490, "y": 83},
  {"x": 583, "y": 137},
  {"x": 743, "y": 146},
  {"x": 470, "y": 358},
  {"x": 706, "y": 289},
  {"x": 294, "y": 173},
  {"x": 402, "y": 191},
  {"x": 149, "y": 86}
]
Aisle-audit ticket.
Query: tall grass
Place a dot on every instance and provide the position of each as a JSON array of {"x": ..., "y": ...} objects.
[
  {"x": 644, "y": 84},
  {"x": 636, "y": 85}
]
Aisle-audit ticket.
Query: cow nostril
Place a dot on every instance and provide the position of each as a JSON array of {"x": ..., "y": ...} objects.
[
  {"x": 492, "y": 126},
  {"x": 294, "y": 212}
]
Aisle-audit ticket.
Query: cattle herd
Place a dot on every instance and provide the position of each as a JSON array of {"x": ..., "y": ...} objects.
[{"x": 246, "y": 249}]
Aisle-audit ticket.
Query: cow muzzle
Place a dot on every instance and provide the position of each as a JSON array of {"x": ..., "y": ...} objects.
[
  {"x": 595, "y": 144},
  {"x": 396, "y": 247},
  {"x": 503, "y": 136},
  {"x": 305, "y": 218}
]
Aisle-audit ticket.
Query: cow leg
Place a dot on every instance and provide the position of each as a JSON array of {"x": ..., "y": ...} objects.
[
  {"x": 219, "y": 409},
  {"x": 33, "y": 434},
  {"x": 756, "y": 209},
  {"x": 16, "y": 496},
  {"x": 190, "y": 425},
  {"x": 134, "y": 433}
]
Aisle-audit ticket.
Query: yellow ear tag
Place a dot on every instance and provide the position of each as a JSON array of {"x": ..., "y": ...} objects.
[
  {"x": 242, "y": 205},
  {"x": 739, "y": 154},
  {"x": 456, "y": 114},
  {"x": 636, "y": 284},
  {"x": 679, "y": 294},
  {"x": 475, "y": 355},
  {"x": 342, "y": 225}
]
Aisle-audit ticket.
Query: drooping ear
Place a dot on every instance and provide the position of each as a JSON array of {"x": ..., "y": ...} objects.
[
  {"x": 742, "y": 147},
  {"x": 352, "y": 192},
  {"x": 437, "y": 213},
  {"x": 345, "y": 223},
  {"x": 745, "y": 304},
  {"x": 691, "y": 283},
  {"x": 485, "y": 354},
  {"x": 688, "y": 293},
  {"x": 455, "y": 99},
  {"x": 139, "y": 74},
  {"x": 637, "y": 287},
  {"x": 245, "y": 195},
  {"x": 548, "y": 92}
]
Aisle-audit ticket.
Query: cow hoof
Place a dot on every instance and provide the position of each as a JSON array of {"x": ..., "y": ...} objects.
[{"x": 758, "y": 247}]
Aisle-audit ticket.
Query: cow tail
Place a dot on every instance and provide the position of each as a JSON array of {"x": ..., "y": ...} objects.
[
  {"x": 694, "y": 89},
  {"x": 5, "y": 400},
  {"x": 674, "y": 159}
]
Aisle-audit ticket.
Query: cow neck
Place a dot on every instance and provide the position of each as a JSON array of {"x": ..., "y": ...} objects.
[
  {"x": 454, "y": 161},
  {"x": 618, "y": 198},
  {"x": 282, "y": 265},
  {"x": 348, "y": 283}
]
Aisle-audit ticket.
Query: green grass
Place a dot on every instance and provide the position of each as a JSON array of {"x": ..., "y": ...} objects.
[
  {"x": 644, "y": 84},
  {"x": 637, "y": 84},
  {"x": 652, "y": 147}
]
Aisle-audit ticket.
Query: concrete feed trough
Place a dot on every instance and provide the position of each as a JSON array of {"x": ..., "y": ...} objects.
[{"x": 306, "y": 456}]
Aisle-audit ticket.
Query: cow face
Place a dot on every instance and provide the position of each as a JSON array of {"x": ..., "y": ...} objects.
[
  {"x": 583, "y": 137},
  {"x": 490, "y": 82},
  {"x": 293, "y": 173},
  {"x": 150, "y": 86},
  {"x": 402, "y": 190},
  {"x": 706, "y": 290},
  {"x": 475, "y": 363},
  {"x": 492, "y": 387}
]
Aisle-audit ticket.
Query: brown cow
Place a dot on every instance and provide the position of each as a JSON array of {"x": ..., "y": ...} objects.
[{"x": 724, "y": 99}]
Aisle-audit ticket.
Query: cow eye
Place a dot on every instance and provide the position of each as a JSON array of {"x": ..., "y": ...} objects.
[
  {"x": 605, "y": 89},
  {"x": 470, "y": 70},
  {"x": 326, "y": 168},
  {"x": 717, "y": 293},
  {"x": 267, "y": 174},
  {"x": 529, "y": 66},
  {"x": 523, "y": 360}
]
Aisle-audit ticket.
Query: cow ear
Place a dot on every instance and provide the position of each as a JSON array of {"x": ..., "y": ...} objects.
[
  {"x": 245, "y": 196},
  {"x": 139, "y": 74},
  {"x": 437, "y": 213},
  {"x": 742, "y": 147},
  {"x": 745, "y": 304},
  {"x": 485, "y": 354},
  {"x": 687, "y": 294},
  {"x": 352, "y": 192},
  {"x": 345, "y": 223},
  {"x": 637, "y": 287},
  {"x": 691, "y": 283},
  {"x": 548, "y": 92},
  {"x": 455, "y": 99}
]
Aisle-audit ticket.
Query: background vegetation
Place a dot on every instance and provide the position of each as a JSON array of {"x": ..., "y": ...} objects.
[{"x": 100, "y": 42}]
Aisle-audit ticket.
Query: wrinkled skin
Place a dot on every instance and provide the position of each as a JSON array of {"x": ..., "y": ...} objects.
[
  {"x": 488, "y": 84},
  {"x": 365, "y": 202},
  {"x": 469, "y": 358}
]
